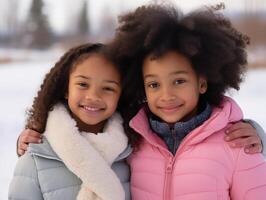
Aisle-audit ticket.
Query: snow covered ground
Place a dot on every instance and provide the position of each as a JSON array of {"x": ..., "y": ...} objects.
[
  {"x": 18, "y": 85},
  {"x": 20, "y": 81}
]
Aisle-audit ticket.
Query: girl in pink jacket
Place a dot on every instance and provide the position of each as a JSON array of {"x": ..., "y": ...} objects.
[{"x": 178, "y": 70}]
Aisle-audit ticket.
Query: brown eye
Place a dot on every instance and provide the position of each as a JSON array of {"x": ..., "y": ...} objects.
[
  {"x": 179, "y": 81},
  {"x": 153, "y": 85},
  {"x": 109, "y": 89},
  {"x": 82, "y": 85}
]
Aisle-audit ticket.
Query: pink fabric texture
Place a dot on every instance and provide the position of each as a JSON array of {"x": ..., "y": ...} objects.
[{"x": 204, "y": 167}]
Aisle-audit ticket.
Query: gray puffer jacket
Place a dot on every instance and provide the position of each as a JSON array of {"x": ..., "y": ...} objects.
[
  {"x": 41, "y": 174},
  {"x": 72, "y": 165}
]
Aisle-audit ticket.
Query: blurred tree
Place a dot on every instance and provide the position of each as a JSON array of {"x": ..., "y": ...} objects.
[
  {"x": 253, "y": 22},
  {"x": 107, "y": 23},
  {"x": 254, "y": 6},
  {"x": 83, "y": 23},
  {"x": 38, "y": 33},
  {"x": 79, "y": 23},
  {"x": 12, "y": 18},
  {"x": 9, "y": 29}
]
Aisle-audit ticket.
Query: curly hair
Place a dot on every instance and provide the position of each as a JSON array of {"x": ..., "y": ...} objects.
[
  {"x": 214, "y": 47},
  {"x": 55, "y": 84}
]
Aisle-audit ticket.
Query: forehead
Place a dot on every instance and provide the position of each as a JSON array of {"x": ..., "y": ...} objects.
[
  {"x": 95, "y": 61},
  {"x": 97, "y": 65},
  {"x": 170, "y": 61}
]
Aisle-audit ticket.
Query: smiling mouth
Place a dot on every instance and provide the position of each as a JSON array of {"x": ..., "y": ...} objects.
[
  {"x": 170, "y": 108},
  {"x": 92, "y": 108}
]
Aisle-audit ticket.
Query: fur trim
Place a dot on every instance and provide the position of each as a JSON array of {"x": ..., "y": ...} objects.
[{"x": 89, "y": 156}]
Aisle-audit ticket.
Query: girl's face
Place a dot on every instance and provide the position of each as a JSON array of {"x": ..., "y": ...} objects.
[
  {"x": 172, "y": 87},
  {"x": 93, "y": 92}
]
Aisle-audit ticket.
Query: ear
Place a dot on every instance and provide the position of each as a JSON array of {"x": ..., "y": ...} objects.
[{"x": 203, "y": 86}]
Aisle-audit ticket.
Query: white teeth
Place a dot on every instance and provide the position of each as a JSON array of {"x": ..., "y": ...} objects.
[{"x": 91, "y": 108}]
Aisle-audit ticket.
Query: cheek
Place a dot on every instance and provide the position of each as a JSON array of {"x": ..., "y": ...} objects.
[
  {"x": 152, "y": 96},
  {"x": 193, "y": 99},
  {"x": 113, "y": 101},
  {"x": 73, "y": 94},
  {"x": 148, "y": 93},
  {"x": 151, "y": 100}
]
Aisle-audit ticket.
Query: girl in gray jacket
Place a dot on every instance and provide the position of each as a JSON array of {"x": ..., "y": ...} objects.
[{"x": 84, "y": 146}]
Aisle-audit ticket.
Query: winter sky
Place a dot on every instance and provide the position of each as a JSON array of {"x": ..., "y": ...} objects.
[{"x": 61, "y": 11}]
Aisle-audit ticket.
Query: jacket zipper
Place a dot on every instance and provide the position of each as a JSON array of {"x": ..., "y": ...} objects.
[
  {"x": 170, "y": 164},
  {"x": 169, "y": 168},
  {"x": 172, "y": 129},
  {"x": 168, "y": 178}
]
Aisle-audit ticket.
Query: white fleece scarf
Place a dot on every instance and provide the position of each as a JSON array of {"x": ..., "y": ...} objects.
[{"x": 87, "y": 155}]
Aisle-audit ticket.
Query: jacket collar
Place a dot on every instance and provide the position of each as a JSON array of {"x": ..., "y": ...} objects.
[
  {"x": 174, "y": 134},
  {"x": 88, "y": 156},
  {"x": 140, "y": 123},
  {"x": 45, "y": 150},
  {"x": 227, "y": 112}
]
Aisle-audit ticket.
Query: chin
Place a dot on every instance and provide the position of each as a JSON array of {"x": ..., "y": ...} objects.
[{"x": 170, "y": 121}]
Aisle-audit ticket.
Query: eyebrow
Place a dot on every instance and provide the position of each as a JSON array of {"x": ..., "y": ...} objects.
[
  {"x": 172, "y": 73},
  {"x": 89, "y": 78},
  {"x": 81, "y": 76}
]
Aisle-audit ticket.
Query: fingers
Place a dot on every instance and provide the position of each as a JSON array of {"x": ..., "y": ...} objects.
[
  {"x": 251, "y": 149},
  {"x": 239, "y": 134},
  {"x": 239, "y": 130},
  {"x": 31, "y": 133},
  {"x": 245, "y": 142},
  {"x": 242, "y": 134},
  {"x": 21, "y": 152},
  {"x": 30, "y": 136},
  {"x": 29, "y": 139},
  {"x": 237, "y": 126},
  {"x": 22, "y": 147},
  {"x": 27, "y": 136}
]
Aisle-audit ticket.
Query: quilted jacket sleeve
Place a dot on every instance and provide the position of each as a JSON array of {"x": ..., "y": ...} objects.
[
  {"x": 261, "y": 134},
  {"x": 24, "y": 184},
  {"x": 249, "y": 179}
]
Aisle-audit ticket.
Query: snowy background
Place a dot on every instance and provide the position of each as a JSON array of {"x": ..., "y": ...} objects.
[
  {"x": 20, "y": 81},
  {"x": 22, "y": 71}
]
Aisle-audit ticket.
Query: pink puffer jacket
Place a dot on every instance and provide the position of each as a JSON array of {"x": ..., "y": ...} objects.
[{"x": 204, "y": 167}]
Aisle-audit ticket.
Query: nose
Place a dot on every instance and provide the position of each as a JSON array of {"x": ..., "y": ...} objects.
[
  {"x": 167, "y": 94},
  {"x": 93, "y": 94}
]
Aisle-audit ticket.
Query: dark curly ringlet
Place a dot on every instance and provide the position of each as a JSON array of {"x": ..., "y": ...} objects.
[
  {"x": 55, "y": 84},
  {"x": 214, "y": 47}
]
